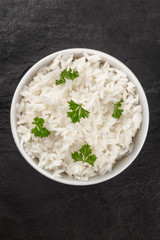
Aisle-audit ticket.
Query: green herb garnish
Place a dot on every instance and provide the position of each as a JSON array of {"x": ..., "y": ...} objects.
[
  {"x": 77, "y": 112},
  {"x": 84, "y": 155},
  {"x": 39, "y": 130},
  {"x": 67, "y": 75},
  {"x": 117, "y": 112}
]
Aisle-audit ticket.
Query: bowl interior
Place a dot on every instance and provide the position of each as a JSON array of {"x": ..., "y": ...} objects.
[{"x": 138, "y": 140}]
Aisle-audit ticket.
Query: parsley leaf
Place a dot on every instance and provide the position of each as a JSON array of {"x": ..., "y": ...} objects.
[
  {"x": 84, "y": 155},
  {"x": 77, "y": 156},
  {"x": 117, "y": 112},
  {"x": 77, "y": 112},
  {"x": 67, "y": 75},
  {"x": 39, "y": 130}
]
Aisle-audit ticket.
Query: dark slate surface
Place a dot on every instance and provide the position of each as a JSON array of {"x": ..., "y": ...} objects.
[{"x": 34, "y": 207}]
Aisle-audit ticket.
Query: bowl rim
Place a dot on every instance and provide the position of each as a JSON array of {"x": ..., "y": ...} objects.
[{"x": 36, "y": 67}]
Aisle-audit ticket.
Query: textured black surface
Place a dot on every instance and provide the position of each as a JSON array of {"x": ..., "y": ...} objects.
[{"x": 34, "y": 207}]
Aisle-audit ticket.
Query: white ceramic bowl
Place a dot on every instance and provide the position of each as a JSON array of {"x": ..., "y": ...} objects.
[{"x": 140, "y": 136}]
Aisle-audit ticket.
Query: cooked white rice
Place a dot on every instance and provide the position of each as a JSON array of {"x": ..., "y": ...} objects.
[{"x": 98, "y": 86}]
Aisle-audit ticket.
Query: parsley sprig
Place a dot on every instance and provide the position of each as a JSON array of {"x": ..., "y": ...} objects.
[
  {"x": 84, "y": 155},
  {"x": 77, "y": 112},
  {"x": 117, "y": 112},
  {"x": 39, "y": 130},
  {"x": 67, "y": 75}
]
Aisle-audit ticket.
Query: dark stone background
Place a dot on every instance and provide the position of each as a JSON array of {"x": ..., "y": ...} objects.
[{"x": 33, "y": 207}]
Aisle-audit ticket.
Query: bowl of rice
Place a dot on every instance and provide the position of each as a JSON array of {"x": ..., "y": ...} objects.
[{"x": 79, "y": 116}]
